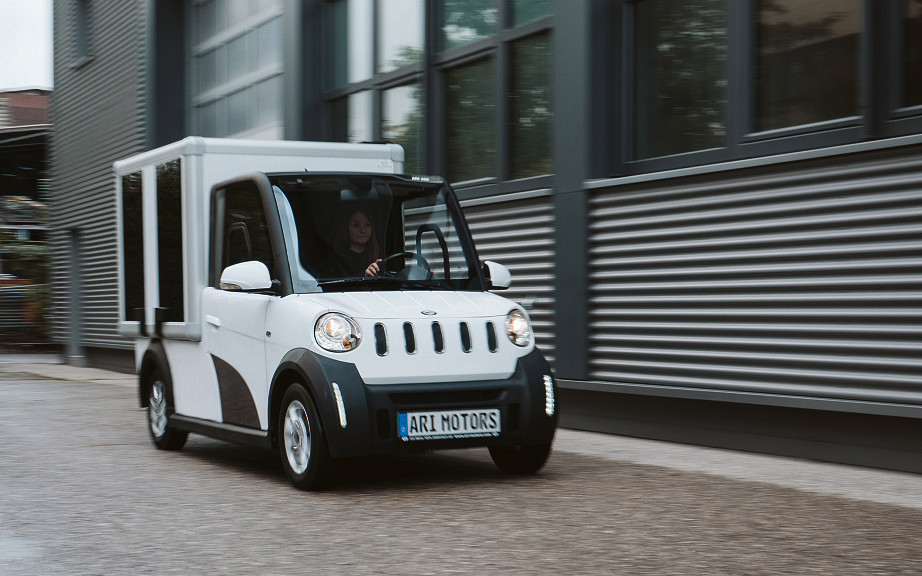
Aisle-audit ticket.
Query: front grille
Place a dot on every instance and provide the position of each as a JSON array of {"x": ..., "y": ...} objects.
[{"x": 440, "y": 330}]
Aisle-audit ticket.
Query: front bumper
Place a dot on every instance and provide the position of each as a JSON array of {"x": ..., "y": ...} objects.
[{"x": 371, "y": 411}]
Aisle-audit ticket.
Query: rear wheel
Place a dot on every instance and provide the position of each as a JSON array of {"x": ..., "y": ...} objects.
[
  {"x": 520, "y": 459},
  {"x": 305, "y": 456},
  {"x": 159, "y": 411}
]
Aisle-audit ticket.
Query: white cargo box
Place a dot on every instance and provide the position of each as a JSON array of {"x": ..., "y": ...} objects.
[{"x": 163, "y": 210}]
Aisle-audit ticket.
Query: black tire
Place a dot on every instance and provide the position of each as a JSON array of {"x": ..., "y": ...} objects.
[
  {"x": 520, "y": 459},
  {"x": 302, "y": 442},
  {"x": 160, "y": 410}
]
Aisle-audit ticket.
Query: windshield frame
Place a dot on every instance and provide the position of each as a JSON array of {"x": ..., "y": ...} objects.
[{"x": 292, "y": 223}]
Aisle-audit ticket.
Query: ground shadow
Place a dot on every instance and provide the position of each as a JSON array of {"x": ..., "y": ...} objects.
[{"x": 443, "y": 467}]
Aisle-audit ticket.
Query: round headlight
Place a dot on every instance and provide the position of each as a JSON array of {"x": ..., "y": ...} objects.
[
  {"x": 337, "y": 333},
  {"x": 518, "y": 328}
]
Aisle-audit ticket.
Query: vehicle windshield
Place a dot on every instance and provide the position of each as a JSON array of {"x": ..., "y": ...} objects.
[{"x": 337, "y": 225}]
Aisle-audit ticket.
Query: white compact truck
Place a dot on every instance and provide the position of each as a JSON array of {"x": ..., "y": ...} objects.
[{"x": 309, "y": 298}]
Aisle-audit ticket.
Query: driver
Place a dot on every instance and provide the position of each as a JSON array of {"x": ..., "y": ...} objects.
[{"x": 359, "y": 246}]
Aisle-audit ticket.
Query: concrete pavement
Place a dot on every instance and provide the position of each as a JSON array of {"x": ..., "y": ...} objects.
[{"x": 852, "y": 482}]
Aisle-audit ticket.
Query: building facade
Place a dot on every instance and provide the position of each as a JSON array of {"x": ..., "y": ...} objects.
[{"x": 700, "y": 200}]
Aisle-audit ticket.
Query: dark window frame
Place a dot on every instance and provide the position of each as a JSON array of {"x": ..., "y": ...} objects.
[
  {"x": 430, "y": 74},
  {"x": 879, "y": 71}
]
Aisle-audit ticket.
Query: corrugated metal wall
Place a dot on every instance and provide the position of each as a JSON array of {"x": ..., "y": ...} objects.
[
  {"x": 518, "y": 231},
  {"x": 98, "y": 116},
  {"x": 798, "y": 279}
]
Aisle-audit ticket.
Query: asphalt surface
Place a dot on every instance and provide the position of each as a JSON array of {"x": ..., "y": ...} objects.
[{"x": 83, "y": 492}]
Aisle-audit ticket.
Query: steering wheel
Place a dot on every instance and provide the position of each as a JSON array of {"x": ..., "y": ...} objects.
[{"x": 408, "y": 272}]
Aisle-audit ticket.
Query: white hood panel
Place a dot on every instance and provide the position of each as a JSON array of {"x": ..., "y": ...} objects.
[{"x": 412, "y": 304}]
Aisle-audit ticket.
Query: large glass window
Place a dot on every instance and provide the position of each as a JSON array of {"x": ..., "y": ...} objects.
[
  {"x": 471, "y": 105},
  {"x": 401, "y": 33},
  {"x": 524, "y": 11},
  {"x": 714, "y": 80},
  {"x": 237, "y": 68},
  {"x": 530, "y": 107},
  {"x": 352, "y": 118},
  {"x": 807, "y": 62},
  {"x": 912, "y": 54},
  {"x": 353, "y": 34},
  {"x": 466, "y": 21},
  {"x": 402, "y": 122},
  {"x": 680, "y": 76},
  {"x": 491, "y": 123}
]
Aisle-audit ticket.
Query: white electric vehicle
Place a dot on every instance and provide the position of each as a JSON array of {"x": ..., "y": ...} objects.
[{"x": 257, "y": 320}]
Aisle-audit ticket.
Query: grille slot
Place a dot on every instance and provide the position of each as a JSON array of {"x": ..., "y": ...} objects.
[
  {"x": 492, "y": 344},
  {"x": 409, "y": 338},
  {"x": 437, "y": 337},
  {"x": 380, "y": 339},
  {"x": 465, "y": 337}
]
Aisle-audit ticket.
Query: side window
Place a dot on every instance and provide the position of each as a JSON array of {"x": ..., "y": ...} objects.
[
  {"x": 133, "y": 245},
  {"x": 170, "y": 241},
  {"x": 241, "y": 231}
]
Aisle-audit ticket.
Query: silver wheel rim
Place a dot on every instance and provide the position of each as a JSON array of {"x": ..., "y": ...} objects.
[
  {"x": 158, "y": 408},
  {"x": 297, "y": 437}
]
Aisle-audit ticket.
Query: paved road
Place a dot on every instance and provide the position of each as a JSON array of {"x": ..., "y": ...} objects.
[{"x": 83, "y": 492}]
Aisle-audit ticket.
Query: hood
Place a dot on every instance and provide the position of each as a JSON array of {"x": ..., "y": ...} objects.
[{"x": 409, "y": 305}]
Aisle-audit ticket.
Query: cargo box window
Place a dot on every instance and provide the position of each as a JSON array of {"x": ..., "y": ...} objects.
[
  {"x": 170, "y": 240},
  {"x": 133, "y": 246}
]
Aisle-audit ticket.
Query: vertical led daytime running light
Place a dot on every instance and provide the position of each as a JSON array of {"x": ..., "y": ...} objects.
[
  {"x": 340, "y": 406},
  {"x": 548, "y": 395}
]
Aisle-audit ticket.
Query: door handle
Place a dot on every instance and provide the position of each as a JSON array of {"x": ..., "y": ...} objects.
[{"x": 213, "y": 320}]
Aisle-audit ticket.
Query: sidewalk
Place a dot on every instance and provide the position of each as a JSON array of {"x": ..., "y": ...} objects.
[
  {"x": 51, "y": 367},
  {"x": 853, "y": 482}
]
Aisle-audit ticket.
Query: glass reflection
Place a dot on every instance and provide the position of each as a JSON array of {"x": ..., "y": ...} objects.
[
  {"x": 530, "y": 107},
  {"x": 402, "y": 117},
  {"x": 680, "y": 76},
  {"x": 807, "y": 61},
  {"x": 236, "y": 55},
  {"x": 524, "y": 11},
  {"x": 466, "y": 21},
  {"x": 470, "y": 141},
  {"x": 401, "y": 33},
  {"x": 352, "y": 118},
  {"x": 353, "y": 33}
]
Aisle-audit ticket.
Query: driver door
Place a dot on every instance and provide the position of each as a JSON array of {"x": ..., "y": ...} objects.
[{"x": 234, "y": 333}]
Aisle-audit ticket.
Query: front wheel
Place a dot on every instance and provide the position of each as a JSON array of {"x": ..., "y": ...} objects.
[
  {"x": 520, "y": 459},
  {"x": 159, "y": 410},
  {"x": 305, "y": 456}
]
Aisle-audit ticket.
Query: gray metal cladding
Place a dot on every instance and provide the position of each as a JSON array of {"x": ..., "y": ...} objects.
[
  {"x": 518, "y": 231},
  {"x": 793, "y": 279},
  {"x": 98, "y": 115}
]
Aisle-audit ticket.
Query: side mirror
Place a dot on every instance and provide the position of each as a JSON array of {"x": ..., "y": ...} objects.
[
  {"x": 246, "y": 277},
  {"x": 498, "y": 276}
]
